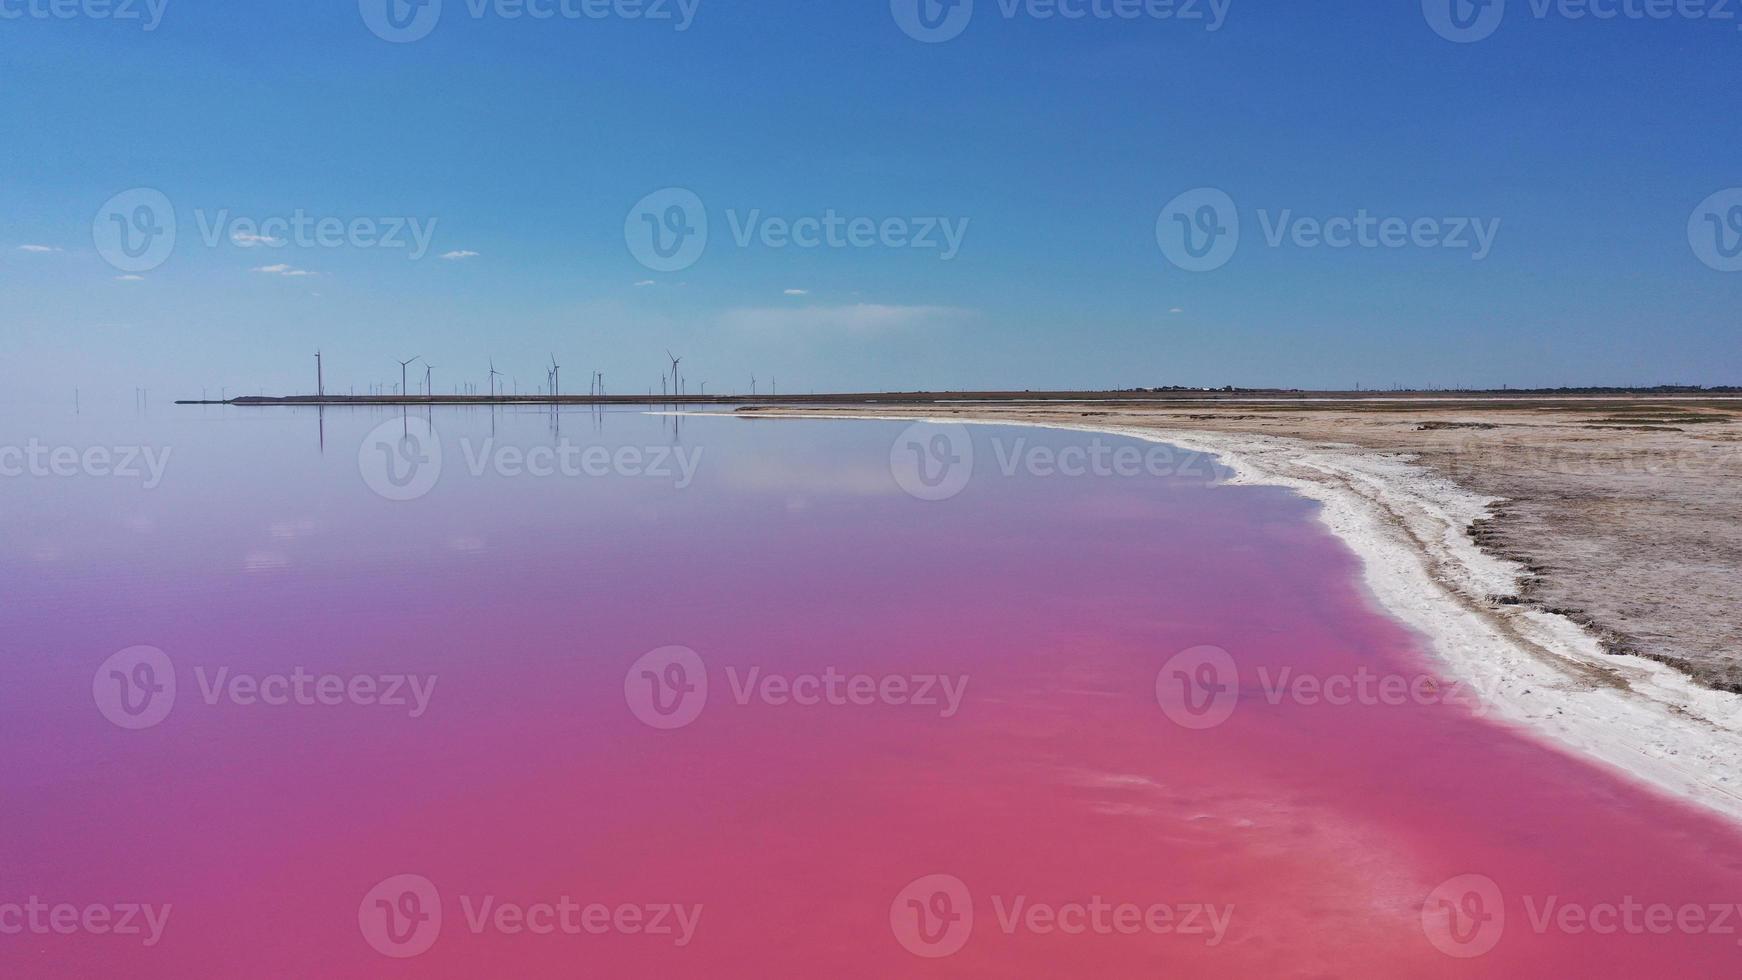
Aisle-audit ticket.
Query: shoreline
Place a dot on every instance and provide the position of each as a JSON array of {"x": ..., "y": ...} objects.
[{"x": 1538, "y": 671}]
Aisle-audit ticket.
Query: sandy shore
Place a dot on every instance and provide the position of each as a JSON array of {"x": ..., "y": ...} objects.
[{"x": 1576, "y": 561}]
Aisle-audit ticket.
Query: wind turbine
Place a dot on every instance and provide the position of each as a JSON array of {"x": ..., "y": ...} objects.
[
  {"x": 494, "y": 374},
  {"x": 675, "y": 361},
  {"x": 428, "y": 378},
  {"x": 402, "y": 366},
  {"x": 320, "y": 378},
  {"x": 556, "y": 378}
]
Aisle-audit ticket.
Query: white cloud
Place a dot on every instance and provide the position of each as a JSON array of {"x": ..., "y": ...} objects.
[
  {"x": 861, "y": 318},
  {"x": 129, "y": 278},
  {"x": 798, "y": 292},
  {"x": 37, "y": 248},
  {"x": 643, "y": 284},
  {"x": 458, "y": 254},
  {"x": 281, "y": 269},
  {"x": 248, "y": 240},
  {"x": 1176, "y": 310}
]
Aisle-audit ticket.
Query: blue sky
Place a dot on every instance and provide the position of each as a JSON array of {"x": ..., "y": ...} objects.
[{"x": 1051, "y": 145}]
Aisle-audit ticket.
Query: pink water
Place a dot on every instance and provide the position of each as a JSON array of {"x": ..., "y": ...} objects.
[{"x": 1316, "y": 832}]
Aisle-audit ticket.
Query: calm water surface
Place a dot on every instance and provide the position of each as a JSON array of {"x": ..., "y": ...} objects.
[{"x": 782, "y": 719}]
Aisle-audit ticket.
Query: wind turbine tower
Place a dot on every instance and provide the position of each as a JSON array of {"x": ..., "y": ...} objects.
[{"x": 402, "y": 366}]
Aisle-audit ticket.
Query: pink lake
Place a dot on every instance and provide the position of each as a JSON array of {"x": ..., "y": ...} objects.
[{"x": 983, "y": 783}]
